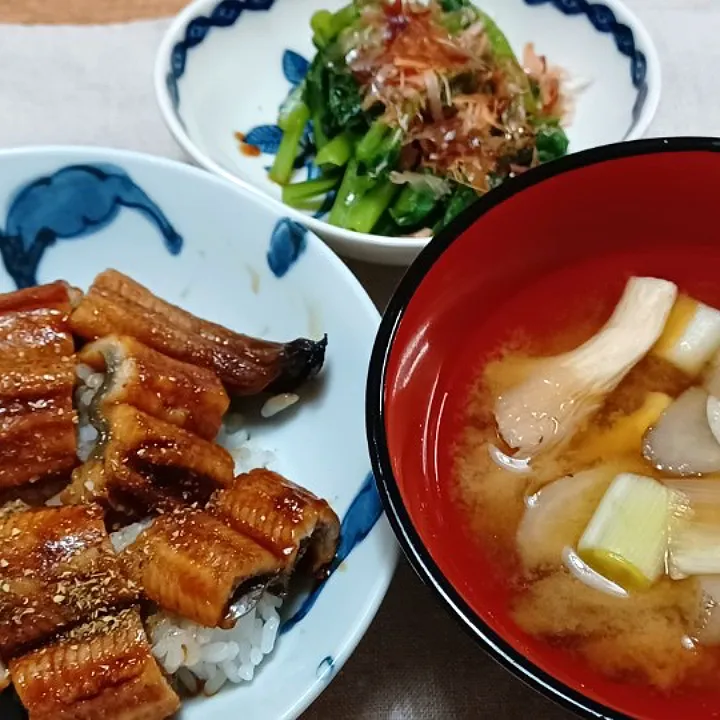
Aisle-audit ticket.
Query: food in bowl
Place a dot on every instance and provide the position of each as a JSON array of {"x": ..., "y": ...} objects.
[
  {"x": 155, "y": 570},
  {"x": 416, "y": 108},
  {"x": 591, "y": 459}
]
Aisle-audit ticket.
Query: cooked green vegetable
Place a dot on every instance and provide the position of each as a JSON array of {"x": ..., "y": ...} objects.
[
  {"x": 365, "y": 211},
  {"x": 463, "y": 197},
  {"x": 309, "y": 194},
  {"x": 412, "y": 206},
  {"x": 327, "y": 26},
  {"x": 291, "y": 108},
  {"x": 379, "y": 149},
  {"x": 350, "y": 188},
  {"x": 336, "y": 153},
  {"x": 466, "y": 117},
  {"x": 551, "y": 143},
  {"x": 294, "y": 125}
]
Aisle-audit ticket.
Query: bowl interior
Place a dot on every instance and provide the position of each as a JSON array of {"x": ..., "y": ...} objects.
[
  {"x": 549, "y": 254},
  {"x": 230, "y": 66}
]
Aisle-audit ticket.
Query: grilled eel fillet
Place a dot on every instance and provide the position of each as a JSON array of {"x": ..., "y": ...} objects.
[
  {"x": 286, "y": 519},
  {"x": 37, "y": 421},
  {"x": 115, "y": 304},
  {"x": 188, "y": 396},
  {"x": 57, "y": 569},
  {"x": 142, "y": 464},
  {"x": 102, "y": 670},
  {"x": 34, "y": 323},
  {"x": 192, "y": 564}
]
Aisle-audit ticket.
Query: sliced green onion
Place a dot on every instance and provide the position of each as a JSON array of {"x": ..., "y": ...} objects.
[{"x": 627, "y": 538}]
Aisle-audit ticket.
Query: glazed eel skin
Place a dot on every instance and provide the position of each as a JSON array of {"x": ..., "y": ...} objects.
[
  {"x": 193, "y": 565},
  {"x": 101, "y": 669},
  {"x": 37, "y": 420},
  {"x": 142, "y": 465},
  {"x": 287, "y": 519},
  {"x": 57, "y": 569},
  {"x": 211, "y": 566},
  {"x": 188, "y": 396},
  {"x": 116, "y": 304}
]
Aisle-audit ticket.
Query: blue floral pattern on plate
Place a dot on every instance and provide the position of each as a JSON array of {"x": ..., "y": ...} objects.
[
  {"x": 362, "y": 515},
  {"x": 73, "y": 202},
  {"x": 287, "y": 243}
]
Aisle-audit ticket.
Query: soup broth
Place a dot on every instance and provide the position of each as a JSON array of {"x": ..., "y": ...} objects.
[{"x": 528, "y": 523}]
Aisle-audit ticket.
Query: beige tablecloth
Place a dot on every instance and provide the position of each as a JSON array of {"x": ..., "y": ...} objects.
[{"x": 79, "y": 71}]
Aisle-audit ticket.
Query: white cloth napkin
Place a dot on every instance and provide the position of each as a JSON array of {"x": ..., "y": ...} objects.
[
  {"x": 83, "y": 86},
  {"x": 93, "y": 85}
]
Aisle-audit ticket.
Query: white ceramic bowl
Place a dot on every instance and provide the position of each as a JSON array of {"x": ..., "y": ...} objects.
[
  {"x": 219, "y": 252},
  {"x": 225, "y": 67}
]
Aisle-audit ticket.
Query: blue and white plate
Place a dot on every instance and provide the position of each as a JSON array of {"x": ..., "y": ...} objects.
[
  {"x": 225, "y": 66},
  {"x": 215, "y": 250}
]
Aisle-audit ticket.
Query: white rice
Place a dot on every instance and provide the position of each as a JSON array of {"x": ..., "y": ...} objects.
[
  {"x": 236, "y": 440},
  {"x": 90, "y": 382},
  {"x": 126, "y": 536},
  {"x": 278, "y": 403},
  {"x": 204, "y": 659}
]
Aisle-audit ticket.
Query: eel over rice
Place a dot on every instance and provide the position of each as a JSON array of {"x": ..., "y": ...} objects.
[
  {"x": 283, "y": 517},
  {"x": 188, "y": 396},
  {"x": 37, "y": 420},
  {"x": 57, "y": 569},
  {"x": 191, "y": 564},
  {"x": 116, "y": 304},
  {"x": 143, "y": 464},
  {"x": 100, "y": 670}
]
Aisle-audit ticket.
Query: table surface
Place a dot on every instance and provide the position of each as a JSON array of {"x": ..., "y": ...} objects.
[{"x": 62, "y": 83}]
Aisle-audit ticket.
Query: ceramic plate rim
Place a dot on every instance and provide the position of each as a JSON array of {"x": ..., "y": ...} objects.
[
  {"x": 413, "y": 547},
  {"x": 381, "y": 242}
]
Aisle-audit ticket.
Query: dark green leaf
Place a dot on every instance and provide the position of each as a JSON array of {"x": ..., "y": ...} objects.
[{"x": 551, "y": 142}]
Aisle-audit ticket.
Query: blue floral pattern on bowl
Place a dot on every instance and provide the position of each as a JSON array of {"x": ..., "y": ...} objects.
[
  {"x": 228, "y": 12},
  {"x": 267, "y": 138},
  {"x": 603, "y": 20}
]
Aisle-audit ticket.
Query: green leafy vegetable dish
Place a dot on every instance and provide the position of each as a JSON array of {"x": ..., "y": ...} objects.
[{"x": 416, "y": 109}]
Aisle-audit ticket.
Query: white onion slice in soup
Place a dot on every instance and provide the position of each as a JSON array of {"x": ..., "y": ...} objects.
[
  {"x": 713, "y": 416},
  {"x": 711, "y": 376},
  {"x": 511, "y": 463},
  {"x": 563, "y": 391},
  {"x": 694, "y": 542},
  {"x": 682, "y": 442},
  {"x": 556, "y": 516},
  {"x": 586, "y": 575},
  {"x": 691, "y": 336}
]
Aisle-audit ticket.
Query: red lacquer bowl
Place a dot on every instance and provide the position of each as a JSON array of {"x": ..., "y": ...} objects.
[{"x": 523, "y": 258}]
